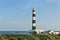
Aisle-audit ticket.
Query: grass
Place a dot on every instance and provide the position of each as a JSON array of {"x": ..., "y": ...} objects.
[{"x": 27, "y": 37}]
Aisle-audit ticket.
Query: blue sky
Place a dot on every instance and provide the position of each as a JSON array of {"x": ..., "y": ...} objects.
[{"x": 17, "y": 14}]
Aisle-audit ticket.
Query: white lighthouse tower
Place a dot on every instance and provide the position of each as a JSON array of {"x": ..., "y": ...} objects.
[{"x": 34, "y": 19}]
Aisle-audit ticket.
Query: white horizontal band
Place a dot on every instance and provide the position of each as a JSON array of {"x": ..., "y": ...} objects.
[
  {"x": 34, "y": 24},
  {"x": 34, "y": 18},
  {"x": 34, "y": 12}
]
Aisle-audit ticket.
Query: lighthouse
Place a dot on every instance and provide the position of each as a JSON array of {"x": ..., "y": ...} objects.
[{"x": 34, "y": 19}]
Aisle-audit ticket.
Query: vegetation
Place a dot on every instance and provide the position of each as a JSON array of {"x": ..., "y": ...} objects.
[{"x": 27, "y": 37}]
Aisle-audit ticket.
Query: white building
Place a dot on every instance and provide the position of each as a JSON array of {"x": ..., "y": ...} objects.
[
  {"x": 56, "y": 33},
  {"x": 53, "y": 32},
  {"x": 39, "y": 31}
]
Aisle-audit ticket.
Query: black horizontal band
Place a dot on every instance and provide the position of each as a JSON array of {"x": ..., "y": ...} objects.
[
  {"x": 33, "y": 27},
  {"x": 34, "y": 15},
  {"x": 33, "y": 21},
  {"x": 33, "y": 10}
]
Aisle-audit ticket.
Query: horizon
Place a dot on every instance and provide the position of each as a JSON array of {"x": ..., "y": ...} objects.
[{"x": 16, "y": 15}]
